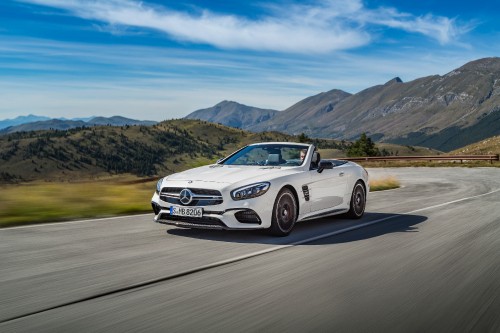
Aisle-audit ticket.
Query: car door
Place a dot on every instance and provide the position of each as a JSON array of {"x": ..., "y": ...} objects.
[{"x": 327, "y": 189}]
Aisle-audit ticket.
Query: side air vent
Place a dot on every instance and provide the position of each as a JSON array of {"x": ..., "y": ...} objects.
[{"x": 305, "y": 189}]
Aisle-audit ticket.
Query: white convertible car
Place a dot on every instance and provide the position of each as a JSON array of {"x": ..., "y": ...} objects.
[{"x": 262, "y": 186}]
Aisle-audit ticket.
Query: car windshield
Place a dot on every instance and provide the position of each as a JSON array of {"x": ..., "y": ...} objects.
[{"x": 272, "y": 154}]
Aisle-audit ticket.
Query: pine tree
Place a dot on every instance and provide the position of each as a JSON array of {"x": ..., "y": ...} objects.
[
  {"x": 303, "y": 138},
  {"x": 364, "y": 146}
]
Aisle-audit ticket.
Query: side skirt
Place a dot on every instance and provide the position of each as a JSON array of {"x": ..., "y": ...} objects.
[{"x": 326, "y": 213}]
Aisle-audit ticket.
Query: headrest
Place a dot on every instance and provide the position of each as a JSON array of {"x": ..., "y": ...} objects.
[
  {"x": 273, "y": 158},
  {"x": 316, "y": 157}
]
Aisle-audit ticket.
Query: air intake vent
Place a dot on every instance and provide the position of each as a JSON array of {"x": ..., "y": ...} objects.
[{"x": 247, "y": 216}]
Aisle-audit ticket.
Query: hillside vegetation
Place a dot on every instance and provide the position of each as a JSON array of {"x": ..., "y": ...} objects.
[
  {"x": 483, "y": 147},
  {"x": 96, "y": 152}
]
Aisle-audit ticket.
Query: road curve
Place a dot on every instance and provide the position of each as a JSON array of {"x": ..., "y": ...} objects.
[{"x": 431, "y": 263}]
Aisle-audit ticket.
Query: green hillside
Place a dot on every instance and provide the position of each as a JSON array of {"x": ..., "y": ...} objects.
[
  {"x": 483, "y": 147},
  {"x": 100, "y": 152}
]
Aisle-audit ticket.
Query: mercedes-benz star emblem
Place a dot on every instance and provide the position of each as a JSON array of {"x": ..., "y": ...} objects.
[{"x": 186, "y": 196}]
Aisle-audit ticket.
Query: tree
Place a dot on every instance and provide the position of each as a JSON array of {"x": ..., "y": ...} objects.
[
  {"x": 385, "y": 152},
  {"x": 364, "y": 146},
  {"x": 303, "y": 138}
]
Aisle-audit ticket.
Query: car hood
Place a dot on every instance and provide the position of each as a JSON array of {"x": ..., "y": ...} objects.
[{"x": 230, "y": 174}]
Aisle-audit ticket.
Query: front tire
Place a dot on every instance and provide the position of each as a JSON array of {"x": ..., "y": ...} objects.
[
  {"x": 358, "y": 202},
  {"x": 284, "y": 213}
]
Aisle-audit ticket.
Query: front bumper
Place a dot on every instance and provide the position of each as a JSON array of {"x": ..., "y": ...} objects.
[{"x": 218, "y": 217}]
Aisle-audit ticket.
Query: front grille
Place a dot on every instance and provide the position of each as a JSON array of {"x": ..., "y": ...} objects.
[
  {"x": 189, "y": 222},
  {"x": 247, "y": 216},
  {"x": 200, "y": 191},
  {"x": 206, "y": 197}
]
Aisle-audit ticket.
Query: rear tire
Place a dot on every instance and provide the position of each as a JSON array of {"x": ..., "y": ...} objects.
[
  {"x": 284, "y": 213},
  {"x": 358, "y": 201}
]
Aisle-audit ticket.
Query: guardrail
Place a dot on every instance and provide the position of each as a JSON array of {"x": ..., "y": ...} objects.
[{"x": 461, "y": 158}]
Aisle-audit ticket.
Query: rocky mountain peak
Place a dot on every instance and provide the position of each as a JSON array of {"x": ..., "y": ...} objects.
[
  {"x": 233, "y": 114},
  {"x": 485, "y": 64},
  {"x": 225, "y": 103},
  {"x": 392, "y": 81}
]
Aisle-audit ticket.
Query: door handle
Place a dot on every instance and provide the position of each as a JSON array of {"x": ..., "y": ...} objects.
[{"x": 341, "y": 174}]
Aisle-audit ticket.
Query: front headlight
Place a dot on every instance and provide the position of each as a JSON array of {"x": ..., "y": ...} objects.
[
  {"x": 158, "y": 186},
  {"x": 250, "y": 191}
]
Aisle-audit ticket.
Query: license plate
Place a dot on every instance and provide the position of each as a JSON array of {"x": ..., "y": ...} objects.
[{"x": 186, "y": 211}]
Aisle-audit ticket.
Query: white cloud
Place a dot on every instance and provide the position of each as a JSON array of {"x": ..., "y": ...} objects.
[
  {"x": 319, "y": 27},
  {"x": 443, "y": 29},
  {"x": 157, "y": 83}
]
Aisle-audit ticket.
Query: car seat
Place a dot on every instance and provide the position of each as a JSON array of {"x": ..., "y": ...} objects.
[
  {"x": 315, "y": 160},
  {"x": 273, "y": 159}
]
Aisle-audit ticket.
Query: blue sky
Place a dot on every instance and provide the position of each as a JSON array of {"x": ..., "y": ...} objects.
[{"x": 164, "y": 59}]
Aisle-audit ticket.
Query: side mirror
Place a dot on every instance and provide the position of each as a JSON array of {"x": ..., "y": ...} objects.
[{"x": 324, "y": 165}]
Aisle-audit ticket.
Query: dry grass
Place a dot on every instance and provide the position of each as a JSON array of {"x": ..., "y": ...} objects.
[
  {"x": 44, "y": 202},
  {"x": 483, "y": 147},
  {"x": 384, "y": 183},
  {"x": 407, "y": 150},
  {"x": 437, "y": 164}
]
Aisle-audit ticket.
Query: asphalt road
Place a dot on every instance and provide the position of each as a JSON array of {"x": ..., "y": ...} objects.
[{"x": 431, "y": 263}]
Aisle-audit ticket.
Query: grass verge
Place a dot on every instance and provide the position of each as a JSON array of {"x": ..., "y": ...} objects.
[
  {"x": 385, "y": 183},
  {"x": 52, "y": 202}
]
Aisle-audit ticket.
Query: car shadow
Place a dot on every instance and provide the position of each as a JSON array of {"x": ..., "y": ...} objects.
[{"x": 394, "y": 223}]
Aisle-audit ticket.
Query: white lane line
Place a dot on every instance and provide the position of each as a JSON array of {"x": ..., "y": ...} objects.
[
  {"x": 362, "y": 225},
  {"x": 454, "y": 201},
  {"x": 72, "y": 222}
]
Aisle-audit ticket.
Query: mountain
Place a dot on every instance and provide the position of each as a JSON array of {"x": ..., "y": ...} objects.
[
  {"x": 76, "y": 119},
  {"x": 55, "y": 124},
  {"x": 21, "y": 120},
  {"x": 59, "y": 124},
  {"x": 299, "y": 117},
  {"x": 119, "y": 121},
  {"x": 233, "y": 114},
  {"x": 441, "y": 112}
]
